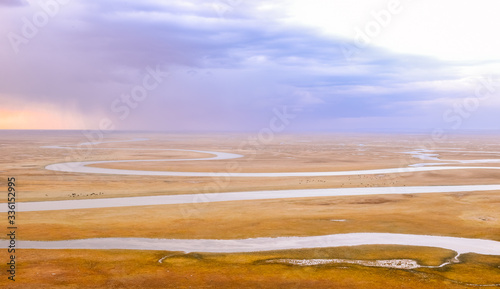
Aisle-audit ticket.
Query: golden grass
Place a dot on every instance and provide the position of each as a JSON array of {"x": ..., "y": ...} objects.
[
  {"x": 473, "y": 215},
  {"x": 26, "y": 160},
  {"x": 141, "y": 269}
]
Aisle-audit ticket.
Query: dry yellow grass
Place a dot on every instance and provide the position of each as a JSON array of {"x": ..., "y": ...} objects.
[
  {"x": 141, "y": 269},
  {"x": 472, "y": 214},
  {"x": 25, "y": 159}
]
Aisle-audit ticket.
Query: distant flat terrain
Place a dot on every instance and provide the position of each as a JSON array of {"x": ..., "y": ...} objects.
[{"x": 235, "y": 187}]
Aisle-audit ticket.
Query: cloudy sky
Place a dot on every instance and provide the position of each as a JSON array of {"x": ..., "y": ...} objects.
[{"x": 235, "y": 65}]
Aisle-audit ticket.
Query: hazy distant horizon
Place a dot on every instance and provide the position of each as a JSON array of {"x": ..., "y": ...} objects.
[{"x": 381, "y": 131}]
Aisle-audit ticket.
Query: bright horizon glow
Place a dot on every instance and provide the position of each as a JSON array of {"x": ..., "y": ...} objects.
[{"x": 36, "y": 118}]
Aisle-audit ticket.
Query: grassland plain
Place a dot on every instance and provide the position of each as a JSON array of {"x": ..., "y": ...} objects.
[
  {"x": 142, "y": 269},
  {"x": 473, "y": 215}
]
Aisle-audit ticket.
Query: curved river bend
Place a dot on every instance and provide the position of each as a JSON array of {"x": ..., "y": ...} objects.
[{"x": 459, "y": 245}]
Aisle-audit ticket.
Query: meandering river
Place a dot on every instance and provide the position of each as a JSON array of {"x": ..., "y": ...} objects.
[{"x": 460, "y": 245}]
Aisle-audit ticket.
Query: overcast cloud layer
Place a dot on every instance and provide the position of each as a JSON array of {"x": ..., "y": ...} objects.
[{"x": 230, "y": 65}]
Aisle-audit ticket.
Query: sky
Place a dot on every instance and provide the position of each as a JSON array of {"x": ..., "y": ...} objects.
[{"x": 240, "y": 65}]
